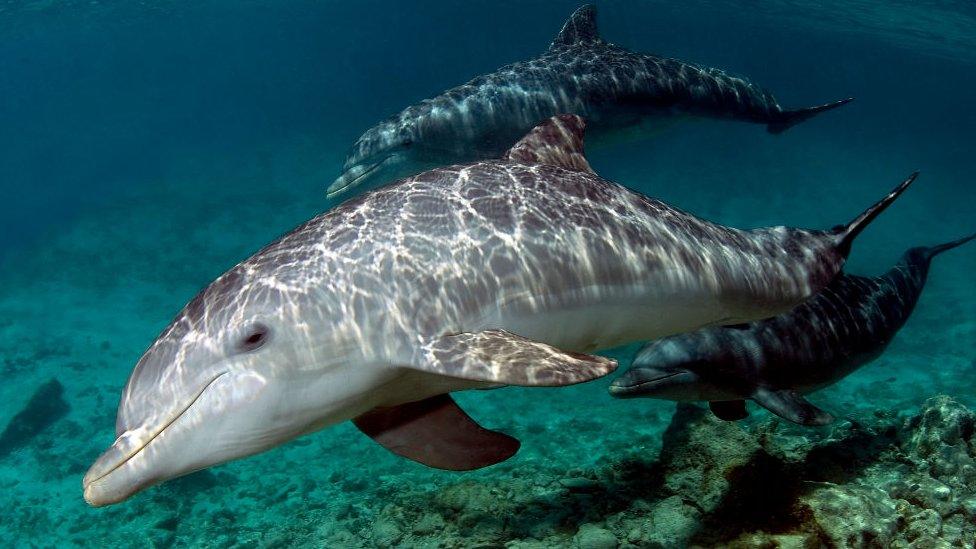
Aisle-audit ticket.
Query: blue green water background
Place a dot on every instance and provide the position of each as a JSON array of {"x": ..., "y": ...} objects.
[{"x": 147, "y": 147}]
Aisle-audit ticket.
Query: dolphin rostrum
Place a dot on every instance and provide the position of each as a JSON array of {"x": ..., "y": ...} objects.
[
  {"x": 501, "y": 272},
  {"x": 776, "y": 361},
  {"x": 619, "y": 93}
]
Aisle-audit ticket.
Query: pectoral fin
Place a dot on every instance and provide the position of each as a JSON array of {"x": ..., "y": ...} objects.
[
  {"x": 437, "y": 433},
  {"x": 497, "y": 356},
  {"x": 791, "y": 406},
  {"x": 729, "y": 410}
]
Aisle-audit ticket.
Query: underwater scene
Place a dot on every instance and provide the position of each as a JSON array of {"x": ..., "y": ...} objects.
[{"x": 487, "y": 274}]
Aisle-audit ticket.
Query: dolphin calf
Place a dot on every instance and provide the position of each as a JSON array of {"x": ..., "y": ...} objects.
[
  {"x": 775, "y": 362},
  {"x": 620, "y": 94},
  {"x": 501, "y": 272}
]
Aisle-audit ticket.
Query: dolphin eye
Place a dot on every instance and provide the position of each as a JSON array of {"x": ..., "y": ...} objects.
[{"x": 254, "y": 338}]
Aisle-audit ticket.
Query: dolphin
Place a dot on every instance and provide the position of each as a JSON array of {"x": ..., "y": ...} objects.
[
  {"x": 502, "y": 272},
  {"x": 775, "y": 362},
  {"x": 620, "y": 93}
]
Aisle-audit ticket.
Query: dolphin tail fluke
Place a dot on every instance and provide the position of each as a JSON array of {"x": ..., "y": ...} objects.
[
  {"x": 933, "y": 251},
  {"x": 846, "y": 234},
  {"x": 785, "y": 120}
]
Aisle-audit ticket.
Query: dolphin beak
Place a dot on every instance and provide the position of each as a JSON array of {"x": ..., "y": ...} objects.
[
  {"x": 111, "y": 479},
  {"x": 644, "y": 382},
  {"x": 354, "y": 176},
  {"x": 131, "y": 463}
]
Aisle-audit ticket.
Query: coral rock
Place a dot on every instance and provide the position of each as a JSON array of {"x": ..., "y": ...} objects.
[
  {"x": 699, "y": 452},
  {"x": 854, "y": 516},
  {"x": 591, "y": 536}
]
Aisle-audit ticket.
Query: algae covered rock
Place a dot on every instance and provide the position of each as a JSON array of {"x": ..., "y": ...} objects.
[
  {"x": 941, "y": 435},
  {"x": 854, "y": 516},
  {"x": 591, "y": 536},
  {"x": 915, "y": 494},
  {"x": 879, "y": 482},
  {"x": 385, "y": 533},
  {"x": 699, "y": 453},
  {"x": 671, "y": 523},
  {"x": 429, "y": 523}
]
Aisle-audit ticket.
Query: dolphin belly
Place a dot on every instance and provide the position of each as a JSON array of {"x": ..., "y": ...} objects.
[{"x": 606, "y": 322}]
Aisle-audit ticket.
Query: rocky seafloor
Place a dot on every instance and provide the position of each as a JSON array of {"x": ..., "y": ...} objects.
[{"x": 879, "y": 481}]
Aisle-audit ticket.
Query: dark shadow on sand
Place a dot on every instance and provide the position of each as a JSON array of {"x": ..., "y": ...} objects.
[
  {"x": 45, "y": 407},
  {"x": 763, "y": 494}
]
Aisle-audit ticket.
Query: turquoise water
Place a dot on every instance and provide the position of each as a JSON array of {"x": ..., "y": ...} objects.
[{"x": 145, "y": 149}]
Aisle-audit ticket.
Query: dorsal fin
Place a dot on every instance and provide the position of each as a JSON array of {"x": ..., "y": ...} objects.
[
  {"x": 580, "y": 28},
  {"x": 557, "y": 142}
]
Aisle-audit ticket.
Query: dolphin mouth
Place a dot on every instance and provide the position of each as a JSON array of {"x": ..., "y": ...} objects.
[
  {"x": 354, "y": 176},
  {"x": 129, "y": 445},
  {"x": 623, "y": 387}
]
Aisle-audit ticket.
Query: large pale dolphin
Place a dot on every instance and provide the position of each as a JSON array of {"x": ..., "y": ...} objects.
[
  {"x": 500, "y": 272},
  {"x": 620, "y": 93},
  {"x": 775, "y": 362}
]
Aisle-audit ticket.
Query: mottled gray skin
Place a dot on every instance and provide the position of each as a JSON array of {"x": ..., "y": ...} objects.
[
  {"x": 620, "y": 94},
  {"x": 844, "y": 327},
  {"x": 479, "y": 275}
]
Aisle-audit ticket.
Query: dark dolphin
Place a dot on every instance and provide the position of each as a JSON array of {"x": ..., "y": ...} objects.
[
  {"x": 620, "y": 93},
  {"x": 775, "y": 362}
]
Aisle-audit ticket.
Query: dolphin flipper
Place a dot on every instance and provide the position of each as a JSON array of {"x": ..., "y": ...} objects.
[
  {"x": 791, "y": 406},
  {"x": 437, "y": 433},
  {"x": 497, "y": 356},
  {"x": 729, "y": 410}
]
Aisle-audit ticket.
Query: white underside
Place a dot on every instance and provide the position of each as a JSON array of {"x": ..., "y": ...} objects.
[{"x": 614, "y": 320}]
